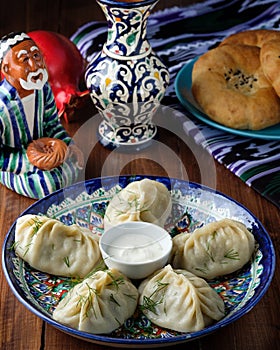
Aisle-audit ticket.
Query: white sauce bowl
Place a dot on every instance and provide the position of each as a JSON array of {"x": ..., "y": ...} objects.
[{"x": 135, "y": 248}]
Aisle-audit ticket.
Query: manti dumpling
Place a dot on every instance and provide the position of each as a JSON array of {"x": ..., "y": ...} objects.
[
  {"x": 179, "y": 300},
  {"x": 99, "y": 304},
  {"x": 145, "y": 200},
  {"x": 53, "y": 247},
  {"x": 213, "y": 250}
]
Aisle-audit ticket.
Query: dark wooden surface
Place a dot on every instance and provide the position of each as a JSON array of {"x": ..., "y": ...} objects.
[
  {"x": 22, "y": 330},
  {"x": 63, "y": 16}
]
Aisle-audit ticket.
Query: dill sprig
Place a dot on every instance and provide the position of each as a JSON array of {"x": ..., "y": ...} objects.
[
  {"x": 133, "y": 297},
  {"x": 202, "y": 269},
  {"x": 66, "y": 261},
  {"x": 208, "y": 246},
  {"x": 118, "y": 321},
  {"x": 151, "y": 302},
  {"x": 116, "y": 282},
  {"x": 113, "y": 299},
  {"x": 88, "y": 299},
  {"x": 232, "y": 254},
  {"x": 14, "y": 245},
  {"x": 27, "y": 249},
  {"x": 36, "y": 223}
]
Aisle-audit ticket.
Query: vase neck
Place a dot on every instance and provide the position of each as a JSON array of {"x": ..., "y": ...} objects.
[{"x": 126, "y": 38}]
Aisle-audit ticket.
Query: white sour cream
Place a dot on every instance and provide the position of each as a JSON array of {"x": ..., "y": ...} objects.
[{"x": 134, "y": 248}]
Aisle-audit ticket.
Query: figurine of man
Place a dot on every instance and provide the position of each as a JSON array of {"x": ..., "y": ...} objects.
[{"x": 27, "y": 113}]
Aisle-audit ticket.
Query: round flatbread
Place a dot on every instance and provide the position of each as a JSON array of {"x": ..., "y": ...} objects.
[
  {"x": 254, "y": 37},
  {"x": 270, "y": 61},
  {"x": 229, "y": 84},
  {"x": 268, "y": 41}
]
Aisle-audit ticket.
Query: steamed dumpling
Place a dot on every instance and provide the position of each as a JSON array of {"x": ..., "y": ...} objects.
[
  {"x": 215, "y": 249},
  {"x": 144, "y": 200},
  {"x": 99, "y": 304},
  {"x": 53, "y": 247},
  {"x": 179, "y": 300}
]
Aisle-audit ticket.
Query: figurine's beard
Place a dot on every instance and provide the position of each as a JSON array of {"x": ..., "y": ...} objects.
[{"x": 33, "y": 82}]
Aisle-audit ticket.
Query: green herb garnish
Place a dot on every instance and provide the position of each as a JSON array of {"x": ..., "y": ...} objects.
[
  {"x": 232, "y": 254},
  {"x": 150, "y": 302},
  {"x": 112, "y": 299},
  {"x": 13, "y": 246},
  {"x": 116, "y": 282},
  {"x": 36, "y": 223},
  {"x": 66, "y": 261}
]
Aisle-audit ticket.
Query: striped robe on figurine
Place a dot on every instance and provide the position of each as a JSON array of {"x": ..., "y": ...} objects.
[{"x": 16, "y": 172}]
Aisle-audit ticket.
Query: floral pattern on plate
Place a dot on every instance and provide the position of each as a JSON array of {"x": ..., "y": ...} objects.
[{"x": 193, "y": 206}]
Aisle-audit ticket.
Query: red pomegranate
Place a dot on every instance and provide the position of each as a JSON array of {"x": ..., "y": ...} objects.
[{"x": 66, "y": 67}]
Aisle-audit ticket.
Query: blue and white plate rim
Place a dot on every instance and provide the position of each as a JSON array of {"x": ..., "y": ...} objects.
[{"x": 73, "y": 191}]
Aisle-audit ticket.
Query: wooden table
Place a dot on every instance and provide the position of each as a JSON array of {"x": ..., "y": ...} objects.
[{"x": 258, "y": 330}]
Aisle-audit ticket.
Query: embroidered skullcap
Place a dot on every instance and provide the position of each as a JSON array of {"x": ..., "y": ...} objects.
[{"x": 10, "y": 40}]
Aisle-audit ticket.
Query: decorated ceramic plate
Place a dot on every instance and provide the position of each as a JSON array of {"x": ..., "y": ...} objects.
[
  {"x": 183, "y": 88},
  {"x": 193, "y": 205}
]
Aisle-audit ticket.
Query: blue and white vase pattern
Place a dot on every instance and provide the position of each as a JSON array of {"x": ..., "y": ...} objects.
[{"x": 127, "y": 73}]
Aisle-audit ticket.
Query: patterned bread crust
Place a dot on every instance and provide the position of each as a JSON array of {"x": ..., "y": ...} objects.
[
  {"x": 270, "y": 61},
  {"x": 256, "y": 37},
  {"x": 269, "y": 42},
  {"x": 229, "y": 84}
]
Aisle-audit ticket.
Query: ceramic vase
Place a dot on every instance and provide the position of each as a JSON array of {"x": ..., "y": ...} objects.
[{"x": 127, "y": 80}]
